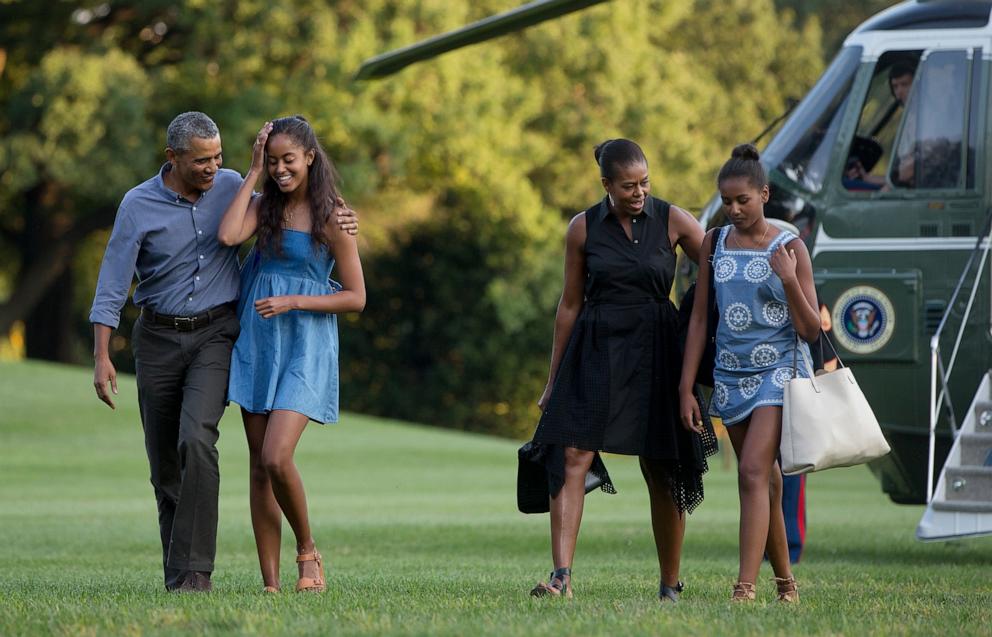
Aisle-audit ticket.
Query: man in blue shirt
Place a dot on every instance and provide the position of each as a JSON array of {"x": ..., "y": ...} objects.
[{"x": 166, "y": 233}]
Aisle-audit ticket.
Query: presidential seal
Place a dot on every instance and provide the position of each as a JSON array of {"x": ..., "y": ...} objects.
[{"x": 863, "y": 319}]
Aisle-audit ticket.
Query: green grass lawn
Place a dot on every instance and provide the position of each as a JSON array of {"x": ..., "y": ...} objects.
[{"x": 421, "y": 535}]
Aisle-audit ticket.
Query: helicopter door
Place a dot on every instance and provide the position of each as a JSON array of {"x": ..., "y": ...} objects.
[
  {"x": 906, "y": 193},
  {"x": 896, "y": 231},
  {"x": 883, "y": 111},
  {"x": 932, "y": 152},
  {"x": 913, "y": 158}
]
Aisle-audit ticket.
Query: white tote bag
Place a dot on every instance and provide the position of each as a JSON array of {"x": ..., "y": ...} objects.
[{"x": 827, "y": 422}]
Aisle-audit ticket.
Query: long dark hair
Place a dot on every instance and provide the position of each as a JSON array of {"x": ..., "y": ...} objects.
[{"x": 322, "y": 191}]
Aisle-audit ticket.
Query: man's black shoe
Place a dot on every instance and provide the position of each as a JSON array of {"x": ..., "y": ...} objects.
[{"x": 196, "y": 582}]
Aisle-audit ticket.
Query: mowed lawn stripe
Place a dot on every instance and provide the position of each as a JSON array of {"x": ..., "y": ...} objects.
[{"x": 421, "y": 536}]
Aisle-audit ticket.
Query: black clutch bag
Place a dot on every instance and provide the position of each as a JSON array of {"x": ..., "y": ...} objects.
[
  {"x": 532, "y": 479},
  {"x": 535, "y": 476}
]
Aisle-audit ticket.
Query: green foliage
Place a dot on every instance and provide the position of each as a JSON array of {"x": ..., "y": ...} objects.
[
  {"x": 836, "y": 17},
  {"x": 465, "y": 168},
  {"x": 420, "y": 536},
  {"x": 686, "y": 80},
  {"x": 458, "y": 328},
  {"x": 79, "y": 121},
  {"x": 755, "y": 59}
]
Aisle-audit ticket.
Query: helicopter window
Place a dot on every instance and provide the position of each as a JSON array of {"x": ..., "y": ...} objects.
[
  {"x": 801, "y": 150},
  {"x": 787, "y": 206},
  {"x": 883, "y": 110},
  {"x": 929, "y": 150},
  {"x": 973, "y": 123}
]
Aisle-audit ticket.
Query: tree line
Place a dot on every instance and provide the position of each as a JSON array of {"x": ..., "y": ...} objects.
[{"x": 465, "y": 169}]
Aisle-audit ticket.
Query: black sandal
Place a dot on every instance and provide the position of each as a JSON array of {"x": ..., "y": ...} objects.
[
  {"x": 670, "y": 594},
  {"x": 556, "y": 586}
]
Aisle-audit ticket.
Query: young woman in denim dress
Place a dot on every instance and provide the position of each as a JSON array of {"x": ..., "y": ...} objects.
[
  {"x": 764, "y": 287},
  {"x": 284, "y": 368}
]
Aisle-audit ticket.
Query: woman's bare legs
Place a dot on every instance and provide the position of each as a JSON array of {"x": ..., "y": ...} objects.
[
  {"x": 762, "y": 525},
  {"x": 281, "y": 437},
  {"x": 777, "y": 547},
  {"x": 266, "y": 517},
  {"x": 666, "y": 522},
  {"x": 566, "y": 508}
]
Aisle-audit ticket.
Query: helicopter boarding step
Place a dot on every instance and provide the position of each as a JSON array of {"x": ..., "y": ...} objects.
[{"x": 962, "y": 502}]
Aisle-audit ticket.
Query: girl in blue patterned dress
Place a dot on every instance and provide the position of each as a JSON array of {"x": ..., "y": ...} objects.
[
  {"x": 284, "y": 368},
  {"x": 764, "y": 291}
]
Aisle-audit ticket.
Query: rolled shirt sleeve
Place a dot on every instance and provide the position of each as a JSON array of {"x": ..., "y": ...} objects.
[{"x": 117, "y": 269}]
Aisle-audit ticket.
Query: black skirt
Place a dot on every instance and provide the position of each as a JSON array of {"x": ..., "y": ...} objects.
[{"x": 616, "y": 390}]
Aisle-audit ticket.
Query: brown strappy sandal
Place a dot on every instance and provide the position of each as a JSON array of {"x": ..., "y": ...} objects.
[
  {"x": 743, "y": 592},
  {"x": 556, "y": 586},
  {"x": 310, "y": 584},
  {"x": 788, "y": 589}
]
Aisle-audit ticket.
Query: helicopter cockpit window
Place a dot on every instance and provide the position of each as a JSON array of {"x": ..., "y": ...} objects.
[
  {"x": 801, "y": 150},
  {"x": 881, "y": 114},
  {"x": 930, "y": 152},
  {"x": 974, "y": 125}
]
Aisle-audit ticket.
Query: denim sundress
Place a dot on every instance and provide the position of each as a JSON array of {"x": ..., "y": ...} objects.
[
  {"x": 288, "y": 361},
  {"x": 755, "y": 338}
]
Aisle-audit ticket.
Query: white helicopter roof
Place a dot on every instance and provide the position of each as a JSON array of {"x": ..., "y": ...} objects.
[{"x": 922, "y": 24}]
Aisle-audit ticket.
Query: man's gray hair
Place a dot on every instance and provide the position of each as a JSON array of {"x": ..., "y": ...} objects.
[{"x": 186, "y": 126}]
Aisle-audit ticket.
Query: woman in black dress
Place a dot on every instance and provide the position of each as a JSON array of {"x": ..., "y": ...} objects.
[{"x": 616, "y": 363}]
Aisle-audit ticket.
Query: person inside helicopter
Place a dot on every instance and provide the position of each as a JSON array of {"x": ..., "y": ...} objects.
[
  {"x": 935, "y": 149},
  {"x": 867, "y": 149}
]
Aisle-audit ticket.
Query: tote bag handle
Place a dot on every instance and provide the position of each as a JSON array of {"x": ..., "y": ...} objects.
[{"x": 808, "y": 362}]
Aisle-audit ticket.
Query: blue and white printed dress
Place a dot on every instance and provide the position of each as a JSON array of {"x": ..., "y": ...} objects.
[{"x": 755, "y": 337}]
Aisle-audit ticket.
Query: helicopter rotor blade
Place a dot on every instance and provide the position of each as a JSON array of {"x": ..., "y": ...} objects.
[{"x": 494, "y": 26}]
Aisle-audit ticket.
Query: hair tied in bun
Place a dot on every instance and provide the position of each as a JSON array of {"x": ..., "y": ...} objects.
[
  {"x": 746, "y": 152},
  {"x": 598, "y": 149},
  {"x": 612, "y": 153},
  {"x": 744, "y": 162}
]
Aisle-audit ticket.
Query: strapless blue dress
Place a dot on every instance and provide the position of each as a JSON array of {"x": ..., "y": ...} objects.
[{"x": 289, "y": 361}]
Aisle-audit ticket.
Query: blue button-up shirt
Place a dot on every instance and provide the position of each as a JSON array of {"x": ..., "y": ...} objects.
[{"x": 171, "y": 244}]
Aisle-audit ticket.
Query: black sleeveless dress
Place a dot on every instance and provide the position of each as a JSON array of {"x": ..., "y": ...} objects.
[{"x": 616, "y": 389}]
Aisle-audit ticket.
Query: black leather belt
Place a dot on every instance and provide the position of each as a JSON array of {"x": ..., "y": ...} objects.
[{"x": 188, "y": 323}]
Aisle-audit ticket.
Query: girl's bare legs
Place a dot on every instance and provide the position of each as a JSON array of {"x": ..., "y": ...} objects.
[
  {"x": 281, "y": 437},
  {"x": 666, "y": 522},
  {"x": 762, "y": 522},
  {"x": 266, "y": 517},
  {"x": 566, "y": 508}
]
